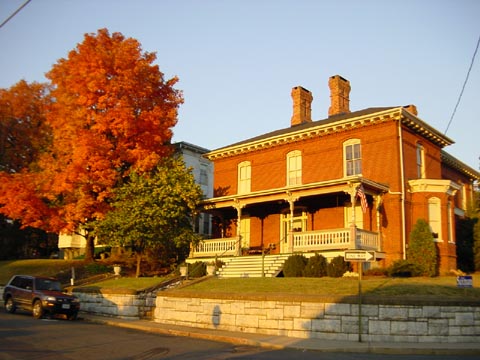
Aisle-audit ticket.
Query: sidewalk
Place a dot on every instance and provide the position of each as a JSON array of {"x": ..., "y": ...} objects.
[{"x": 283, "y": 342}]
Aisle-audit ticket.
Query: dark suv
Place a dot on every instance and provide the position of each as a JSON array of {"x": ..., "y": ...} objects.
[{"x": 40, "y": 295}]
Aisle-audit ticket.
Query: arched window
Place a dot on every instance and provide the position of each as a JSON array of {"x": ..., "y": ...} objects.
[
  {"x": 435, "y": 218},
  {"x": 294, "y": 168},
  {"x": 420, "y": 161},
  {"x": 352, "y": 154},
  {"x": 244, "y": 177}
]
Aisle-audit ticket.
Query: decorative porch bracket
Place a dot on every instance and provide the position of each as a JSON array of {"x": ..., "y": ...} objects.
[{"x": 291, "y": 202}]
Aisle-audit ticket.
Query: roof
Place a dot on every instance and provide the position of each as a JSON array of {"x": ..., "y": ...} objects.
[
  {"x": 333, "y": 124},
  {"x": 459, "y": 166}
]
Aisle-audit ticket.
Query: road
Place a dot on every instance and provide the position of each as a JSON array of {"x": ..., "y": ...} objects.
[{"x": 22, "y": 337}]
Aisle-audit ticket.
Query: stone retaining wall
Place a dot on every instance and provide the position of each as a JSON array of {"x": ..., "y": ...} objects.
[
  {"x": 333, "y": 321},
  {"x": 124, "y": 305}
]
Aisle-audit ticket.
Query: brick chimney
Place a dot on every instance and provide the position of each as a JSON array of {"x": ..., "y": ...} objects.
[
  {"x": 412, "y": 109},
  {"x": 302, "y": 106},
  {"x": 339, "y": 95}
]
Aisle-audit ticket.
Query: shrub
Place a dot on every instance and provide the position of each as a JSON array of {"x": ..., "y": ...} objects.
[
  {"x": 316, "y": 266},
  {"x": 197, "y": 269},
  {"x": 404, "y": 268},
  {"x": 422, "y": 250},
  {"x": 378, "y": 271},
  {"x": 294, "y": 266},
  {"x": 337, "y": 267}
]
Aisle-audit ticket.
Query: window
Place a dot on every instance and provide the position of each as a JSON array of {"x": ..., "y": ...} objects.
[
  {"x": 244, "y": 177},
  {"x": 435, "y": 218},
  {"x": 294, "y": 168},
  {"x": 420, "y": 161},
  {"x": 353, "y": 157},
  {"x": 203, "y": 177}
]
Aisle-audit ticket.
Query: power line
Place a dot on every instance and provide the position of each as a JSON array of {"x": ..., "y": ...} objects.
[
  {"x": 15, "y": 13},
  {"x": 463, "y": 87}
]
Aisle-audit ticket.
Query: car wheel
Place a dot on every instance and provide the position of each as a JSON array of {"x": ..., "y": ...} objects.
[
  {"x": 10, "y": 306},
  {"x": 72, "y": 316},
  {"x": 37, "y": 309}
]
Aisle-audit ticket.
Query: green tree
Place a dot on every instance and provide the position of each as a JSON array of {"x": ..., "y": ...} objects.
[
  {"x": 152, "y": 209},
  {"x": 422, "y": 250}
]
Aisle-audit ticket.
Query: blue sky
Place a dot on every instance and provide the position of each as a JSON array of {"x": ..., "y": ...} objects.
[{"x": 238, "y": 60}]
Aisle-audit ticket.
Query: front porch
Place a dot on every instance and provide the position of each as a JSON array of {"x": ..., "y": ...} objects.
[{"x": 295, "y": 242}]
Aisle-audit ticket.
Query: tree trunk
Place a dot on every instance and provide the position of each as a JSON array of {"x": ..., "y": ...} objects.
[
  {"x": 90, "y": 247},
  {"x": 139, "y": 260}
]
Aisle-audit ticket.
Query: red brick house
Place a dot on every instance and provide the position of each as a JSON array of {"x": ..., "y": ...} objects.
[{"x": 298, "y": 189}]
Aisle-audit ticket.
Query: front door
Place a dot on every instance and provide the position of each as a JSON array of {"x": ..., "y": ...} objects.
[{"x": 297, "y": 224}]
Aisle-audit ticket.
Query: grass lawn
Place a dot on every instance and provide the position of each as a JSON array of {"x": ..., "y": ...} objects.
[
  {"x": 438, "y": 287},
  {"x": 46, "y": 267}
]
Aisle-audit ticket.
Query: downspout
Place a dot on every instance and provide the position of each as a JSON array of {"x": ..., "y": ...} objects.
[{"x": 402, "y": 192}]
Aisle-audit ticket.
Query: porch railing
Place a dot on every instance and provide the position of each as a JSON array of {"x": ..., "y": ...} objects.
[
  {"x": 212, "y": 247},
  {"x": 321, "y": 240},
  {"x": 306, "y": 241}
]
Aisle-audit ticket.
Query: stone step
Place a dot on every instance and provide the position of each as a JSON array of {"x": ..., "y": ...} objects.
[{"x": 251, "y": 266}]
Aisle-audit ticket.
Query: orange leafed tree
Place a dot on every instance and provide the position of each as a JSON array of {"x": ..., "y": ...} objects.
[
  {"x": 23, "y": 131},
  {"x": 112, "y": 112}
]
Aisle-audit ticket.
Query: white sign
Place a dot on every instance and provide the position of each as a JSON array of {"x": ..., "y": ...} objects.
[
  {"x": 464, "y": 281},
  {"x": 359, "y": 255}
]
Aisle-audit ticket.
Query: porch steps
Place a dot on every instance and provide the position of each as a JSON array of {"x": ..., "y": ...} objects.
[{"x": 251, "y": 266}]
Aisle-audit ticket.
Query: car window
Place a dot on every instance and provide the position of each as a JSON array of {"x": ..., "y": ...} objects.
[
  {"x": 28, "y": 284},
  {"x": 17, "y": 281},
  {"x": 47, "y": 284}
]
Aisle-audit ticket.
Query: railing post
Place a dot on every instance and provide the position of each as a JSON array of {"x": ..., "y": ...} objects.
[
  {"x": 238, "y": 248},
  {"x": 290, "y": 242},
  {"x": 353, "y": 236}
]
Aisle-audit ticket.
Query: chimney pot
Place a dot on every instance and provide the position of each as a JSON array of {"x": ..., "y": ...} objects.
[
  {"x": 339, "y": 95},
  {"x": 302, "y": 106}
]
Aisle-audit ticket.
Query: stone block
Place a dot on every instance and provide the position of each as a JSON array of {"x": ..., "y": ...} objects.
[
  {"x": 464, "y": 319},
  {"x": 267, "y": 324},
  {"x": 244, "y": 321},
  {"x": 431, "y": 312},
  {"x": 276, "y": 314},
  {"x": 338, "y": 309},
  {"x": 237, "y": 307},
  {"x": 437, "y": 327},
  {"x": 379, "y": 327},
  {"x": 302, "y": 324},
  {"x": 393, "y": 313},
  {"x": 415, "y": 312},
  {"x": 326, "y": 325},
  {"x": 285, "y": 324},
  {"x": 312, "y": 310},
  {"x": 291, "y": 311},
  {"x": 408, "y": 328}
]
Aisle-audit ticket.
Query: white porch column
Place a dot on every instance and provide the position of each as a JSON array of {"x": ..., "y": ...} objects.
[
  {"x": 238, "y": 206},
  {"x": 352, "y": 191},
  {"x": 378, "y": 208}
]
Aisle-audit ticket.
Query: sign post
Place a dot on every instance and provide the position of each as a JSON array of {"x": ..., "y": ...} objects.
[{"x": 360, "y": 256}]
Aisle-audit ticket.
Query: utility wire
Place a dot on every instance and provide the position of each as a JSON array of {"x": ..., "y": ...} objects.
[
  {"x": 15, "y": 13},
  {"x": 463, "y": 87}
]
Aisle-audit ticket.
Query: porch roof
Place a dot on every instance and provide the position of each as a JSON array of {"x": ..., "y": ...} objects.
[{"x": 346, "y": 185}]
